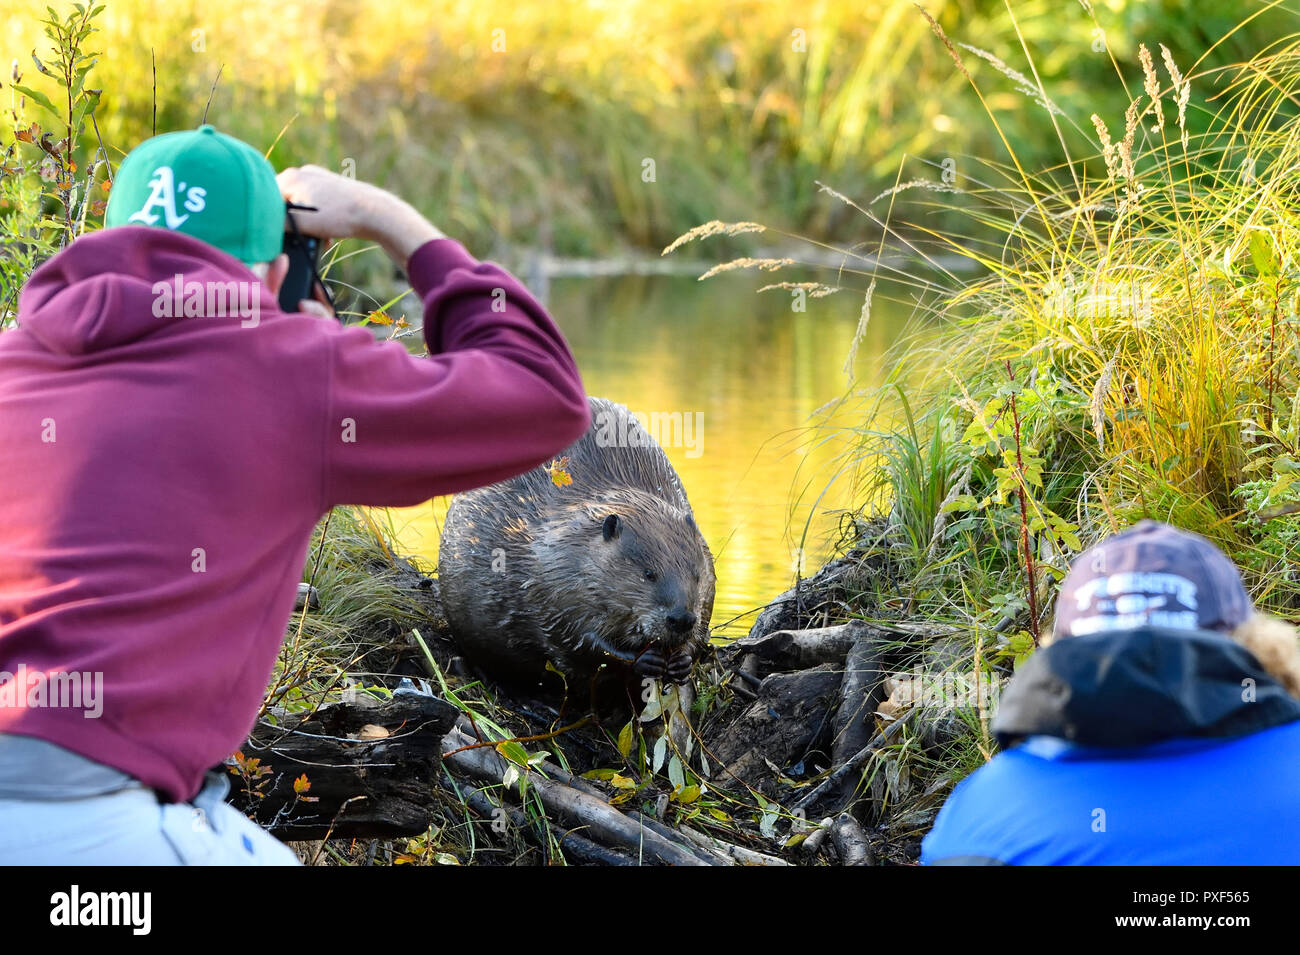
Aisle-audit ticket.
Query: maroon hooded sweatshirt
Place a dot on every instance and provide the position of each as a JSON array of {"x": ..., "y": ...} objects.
[{"x": 160, "y": 477}]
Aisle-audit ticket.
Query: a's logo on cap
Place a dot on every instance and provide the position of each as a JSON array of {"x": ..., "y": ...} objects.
[
  {"x": 163, "y": 195},
  {"x": 1134, "y": 599}
]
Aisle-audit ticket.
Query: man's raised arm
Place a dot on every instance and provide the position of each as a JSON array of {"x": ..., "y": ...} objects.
[{"x": 499, "y": 393}]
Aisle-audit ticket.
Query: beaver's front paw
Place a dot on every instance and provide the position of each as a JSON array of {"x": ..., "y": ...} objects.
[
  {"x": 650, "y": 663},
  {"x": 679, "y": 665},
  {"x": 676, "y": 668}
]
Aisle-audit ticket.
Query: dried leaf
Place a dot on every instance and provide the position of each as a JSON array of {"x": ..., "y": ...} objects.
[{"x": 558, "y": 469}]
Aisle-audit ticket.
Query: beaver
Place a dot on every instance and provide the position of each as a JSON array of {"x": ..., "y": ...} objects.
[{"x": 610, "y": 569}]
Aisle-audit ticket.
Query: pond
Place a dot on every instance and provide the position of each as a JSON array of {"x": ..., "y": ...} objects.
[{"x": 753, "y": 373}]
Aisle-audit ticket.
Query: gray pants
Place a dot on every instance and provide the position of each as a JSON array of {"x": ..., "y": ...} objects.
[{"x": 59, "y": 808}]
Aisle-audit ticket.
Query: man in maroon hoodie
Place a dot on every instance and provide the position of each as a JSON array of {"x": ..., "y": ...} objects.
[{"x": 168, "y": 440}]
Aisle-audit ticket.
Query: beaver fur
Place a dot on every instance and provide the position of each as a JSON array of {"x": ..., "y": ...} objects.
[{"x": 606, "y": 575}]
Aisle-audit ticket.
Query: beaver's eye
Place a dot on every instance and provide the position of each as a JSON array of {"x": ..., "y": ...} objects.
[{"x": 651, "y": 576}]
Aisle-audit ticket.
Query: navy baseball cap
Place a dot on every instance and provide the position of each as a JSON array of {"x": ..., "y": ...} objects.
[{"x": 1151, "y": 575}]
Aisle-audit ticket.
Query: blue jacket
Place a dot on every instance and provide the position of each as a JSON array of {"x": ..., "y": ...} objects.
[{"x": 1143, "y": 747}]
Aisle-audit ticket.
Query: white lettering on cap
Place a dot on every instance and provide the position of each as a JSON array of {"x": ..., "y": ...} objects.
[
  {"x": 1133, "y": 598},
  {"x": 164, "y": 195}
]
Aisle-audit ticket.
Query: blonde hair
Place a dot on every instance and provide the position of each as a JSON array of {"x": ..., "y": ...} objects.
[{"x": 1274, "y": 644}]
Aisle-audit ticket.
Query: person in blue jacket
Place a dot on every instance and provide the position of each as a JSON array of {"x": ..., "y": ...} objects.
[{"x": 1160, "y": 726}]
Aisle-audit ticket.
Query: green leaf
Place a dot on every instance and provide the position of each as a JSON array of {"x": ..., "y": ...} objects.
[
  {"x": 1280, "y": 486},
  {"x": 39, "y": 97},
  {"x": 513, "y": 752},
  {"x": 1261, "y": 252},
  {"x": 1022, "y": 647},
  {"x": 80, "y": 80},
  {"x": 962, "y": 502},
  {"x": 676, "y": 772},
  {"x": 87, "y": 104},
  {"x": 625, "y": 740}
]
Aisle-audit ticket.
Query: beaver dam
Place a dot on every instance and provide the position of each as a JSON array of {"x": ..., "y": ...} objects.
[{"x": 807, "y": 743}]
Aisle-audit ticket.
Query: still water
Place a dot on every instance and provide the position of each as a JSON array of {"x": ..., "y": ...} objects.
[{"x": 753, "y": 373}]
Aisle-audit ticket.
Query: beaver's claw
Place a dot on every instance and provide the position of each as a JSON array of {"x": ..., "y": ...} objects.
[
  {"x": 650, "y": 663},
  {"x": 679, "y": 666},
  {"x": 676, "y": 668}
]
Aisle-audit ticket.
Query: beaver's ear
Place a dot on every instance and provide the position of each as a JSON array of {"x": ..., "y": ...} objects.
[{"x": 612, "y": 527}]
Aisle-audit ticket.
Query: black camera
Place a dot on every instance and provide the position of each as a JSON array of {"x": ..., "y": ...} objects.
[{"x": 304, "y": 257}]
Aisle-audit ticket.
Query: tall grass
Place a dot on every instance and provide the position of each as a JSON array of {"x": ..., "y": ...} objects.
[
  {"x": 1147, "y": 314},
  {"x": 1126, "y": 349}
]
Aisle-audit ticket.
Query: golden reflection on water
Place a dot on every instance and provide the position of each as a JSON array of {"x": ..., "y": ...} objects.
[{"x": 756, "y": 372}]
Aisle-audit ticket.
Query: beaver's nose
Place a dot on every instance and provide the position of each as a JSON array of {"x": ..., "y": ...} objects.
[{"x": 681, "y": 621}]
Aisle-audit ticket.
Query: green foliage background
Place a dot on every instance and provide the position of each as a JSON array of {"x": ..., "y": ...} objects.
[{"x": 742, "y": 104}]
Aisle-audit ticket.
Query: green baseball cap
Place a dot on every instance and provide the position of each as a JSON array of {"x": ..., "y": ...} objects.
[{"x": 206, "y": 184}]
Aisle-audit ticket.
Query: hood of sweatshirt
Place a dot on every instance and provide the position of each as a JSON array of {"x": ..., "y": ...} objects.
[
  {"x": 1142, "y": 686},
  {"x": 107, "y": 292}
]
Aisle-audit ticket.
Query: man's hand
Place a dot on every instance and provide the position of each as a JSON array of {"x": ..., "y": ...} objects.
[
  {"x": 318, "y": 304},
  {"x": 348, "y": 209}
]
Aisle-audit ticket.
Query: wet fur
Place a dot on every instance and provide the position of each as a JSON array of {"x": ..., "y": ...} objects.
[{"x": 564, "y": 591}]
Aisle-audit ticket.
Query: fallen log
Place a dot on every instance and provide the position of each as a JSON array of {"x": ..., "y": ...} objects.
[
  {"x": 799, "y": 649},
  {"x": 738, "y": 854},
  {"x": 576, "y": 808},
  {"x": 706, "y": 849},
  {"x": 468, "y": 730},
  {"x": 572, "y": 844},
  {"x": 784, "y": 650},
  {"x": 779, "y": 727},
  {"x": 705, "y": 854},
  {"x": 860, "y": 692},
  {"x": 850, "y": 841}
]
